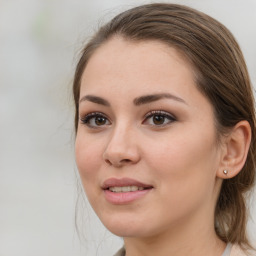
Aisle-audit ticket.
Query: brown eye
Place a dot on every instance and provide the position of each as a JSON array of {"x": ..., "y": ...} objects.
[
  {"x": 95, "y": 120},
  {"x": 100, "y": 120},
  {"x": 158, "y": 119}
]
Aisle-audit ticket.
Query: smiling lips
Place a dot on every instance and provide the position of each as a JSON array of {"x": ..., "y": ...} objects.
[{"x": 124, "y": 191}]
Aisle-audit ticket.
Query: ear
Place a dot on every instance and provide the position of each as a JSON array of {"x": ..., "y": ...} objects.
[{"x": 235, "y": 150}]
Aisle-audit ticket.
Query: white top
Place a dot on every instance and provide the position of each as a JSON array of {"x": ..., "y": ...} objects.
[
  {"x": 227, "y": 251},
  {"x": 231, "y": 250}
]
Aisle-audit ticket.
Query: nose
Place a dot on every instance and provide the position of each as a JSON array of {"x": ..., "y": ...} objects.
[{"x": 122, "y": 149}]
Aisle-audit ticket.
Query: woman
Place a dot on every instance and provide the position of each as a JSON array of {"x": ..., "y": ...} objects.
[{"x": 165, "y": 132}]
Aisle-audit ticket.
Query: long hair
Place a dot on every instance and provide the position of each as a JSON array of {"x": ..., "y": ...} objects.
[{"x": 221, "y": 75}]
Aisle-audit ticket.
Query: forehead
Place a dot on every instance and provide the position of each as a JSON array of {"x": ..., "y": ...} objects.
[
  {"x": 121, "y": 71},
  {"x": 135, "y": 63},
  {"x": 118, "y": 47}
]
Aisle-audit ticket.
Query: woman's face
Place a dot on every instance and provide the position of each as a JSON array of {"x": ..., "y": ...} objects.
[{"x": 146, "y": 142}]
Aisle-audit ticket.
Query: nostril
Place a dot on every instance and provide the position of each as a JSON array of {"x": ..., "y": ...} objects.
[
  {"x": 118, "y": 163},
  {"x": 126, "y": 161},
  {"x": 108, "y": 162}
]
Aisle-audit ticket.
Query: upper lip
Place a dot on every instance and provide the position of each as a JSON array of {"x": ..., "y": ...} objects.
[{"x": 123, "y": 182}]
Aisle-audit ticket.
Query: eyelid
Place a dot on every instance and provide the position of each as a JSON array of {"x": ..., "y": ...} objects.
[
  {"x": 86, "y": 118},
  {"x": 90, "y": 114},
  {"x": 166, "y": 114},
  {"x": 160, "y": 112}
]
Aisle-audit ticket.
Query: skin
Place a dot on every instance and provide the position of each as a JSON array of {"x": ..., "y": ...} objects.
[{"x": 181, "y": 159}]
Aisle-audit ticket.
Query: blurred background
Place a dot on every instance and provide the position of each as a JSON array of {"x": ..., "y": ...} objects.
[{"x": 40, "y": 42}]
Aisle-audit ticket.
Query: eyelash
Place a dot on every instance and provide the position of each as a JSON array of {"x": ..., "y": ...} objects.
[
  {"x": 161, "y": 113},
  {"x": 87, "y": 118}
]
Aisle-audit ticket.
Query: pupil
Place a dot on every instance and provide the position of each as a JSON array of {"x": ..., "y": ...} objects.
[
  {"x": 100, "y": 120},
  {"x": 158, "y": 119}
]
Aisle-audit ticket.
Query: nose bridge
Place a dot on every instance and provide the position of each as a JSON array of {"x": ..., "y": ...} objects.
[
  {"x": 121, "y": 137},
  {"x": 122, "y": 147}
]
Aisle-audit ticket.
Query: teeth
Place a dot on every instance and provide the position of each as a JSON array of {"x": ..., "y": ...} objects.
[{"x": 125, "y": 189}]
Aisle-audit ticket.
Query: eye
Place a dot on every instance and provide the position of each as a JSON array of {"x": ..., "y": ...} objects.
[
  {"x": 95, "y": 120},
  {"x": 159, "y": 118}
]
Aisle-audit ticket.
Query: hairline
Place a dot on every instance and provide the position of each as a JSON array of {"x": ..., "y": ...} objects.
[{"x": 220, "y": 131}]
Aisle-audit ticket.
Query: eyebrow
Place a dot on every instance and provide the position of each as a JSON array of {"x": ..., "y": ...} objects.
[
  {"x": 154, "y": 97},
  {"x": 95, "y": 99},
  {"x": 137, "y": 101}
]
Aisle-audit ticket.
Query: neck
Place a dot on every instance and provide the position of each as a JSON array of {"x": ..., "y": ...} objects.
[{"x": 184, "y": 239}]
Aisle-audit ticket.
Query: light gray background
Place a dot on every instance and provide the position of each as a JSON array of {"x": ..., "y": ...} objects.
[{"x": 39, "y": 45}]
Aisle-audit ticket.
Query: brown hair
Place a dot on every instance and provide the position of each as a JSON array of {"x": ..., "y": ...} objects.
[{"x": 221, "y": 75}]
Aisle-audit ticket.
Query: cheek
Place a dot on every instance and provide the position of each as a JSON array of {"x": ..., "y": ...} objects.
[
  {"x": 88, "y": 159},
  {"x": 186, "y": 150},
  {"x": 186, "y": 166}
]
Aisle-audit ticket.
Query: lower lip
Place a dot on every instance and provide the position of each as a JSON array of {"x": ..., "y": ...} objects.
[{"x": 124, "y": 197}]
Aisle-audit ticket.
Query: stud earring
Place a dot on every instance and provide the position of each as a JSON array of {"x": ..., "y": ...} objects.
[{"x": 225, "y": 172}]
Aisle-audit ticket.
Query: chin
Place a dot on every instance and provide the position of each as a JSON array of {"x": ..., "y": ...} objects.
[
  {"x": 128, "y": 232},
  {"x": 125, "y": 228},
  {"x": 122, "y": 232}
]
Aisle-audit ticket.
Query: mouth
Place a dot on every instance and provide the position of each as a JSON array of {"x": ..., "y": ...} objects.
[
  {"x": 124, "y": 185},
  {"x": 125, "y": 190}
]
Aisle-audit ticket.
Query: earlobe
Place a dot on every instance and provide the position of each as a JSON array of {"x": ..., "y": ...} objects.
[{"x": 235, "y": 150}]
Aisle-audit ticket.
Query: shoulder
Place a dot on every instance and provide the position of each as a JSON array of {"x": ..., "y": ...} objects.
[
  {"x": 237, "y": 251},
  {"x": 121, "y": 252}
]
